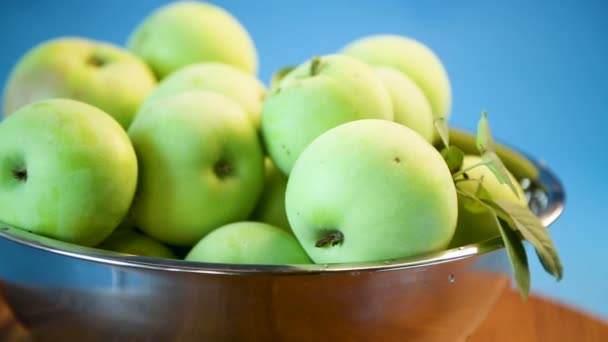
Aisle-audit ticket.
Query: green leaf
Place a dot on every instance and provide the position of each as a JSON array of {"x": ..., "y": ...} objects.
[
  {"x": 471, "y": 205},
  {"x": 484, "y": 136},
  {"x": 515, "y": 222},
  {"x": 279, "y": 74},
  {"x": 444, "y": 132},
  {"x": 473, "y": 202},
  {"x": 522, "y": 220},
  {"x": 513, "y": 244},
  {"x": 493, "y": 162},
  {"x": 482, "y": 193},
  {"x": 517, "y": 257},
  {"x": 485, "y": 145},
  {"x": 453, "y": 157}
]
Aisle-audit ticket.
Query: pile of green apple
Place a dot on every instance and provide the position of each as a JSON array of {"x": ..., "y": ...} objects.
[{"x": 172, "y": 144}]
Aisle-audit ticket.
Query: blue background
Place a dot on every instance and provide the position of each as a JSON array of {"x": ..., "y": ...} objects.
[{"x": 540, "y": 69}]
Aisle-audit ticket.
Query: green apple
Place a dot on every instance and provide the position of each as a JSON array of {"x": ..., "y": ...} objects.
[
  {"x": 67, "y": 171},
  {"x": 201, "y": 166},
  {"x": 187, "y": 32},
  {"x": 249, "y": 242},
  {"x": 410, "y": 106},
  {"x": 316, "y": 96},
  {"x": 478, "y": 225},
  {"x": 271, "y": 205},
  {"x": 135, "y": 243},
  {"x": 371, "y": 190},
  {"x": 98, "y": 73},
  {"x": 225, "y": 79},
  {"x": 414, "y": 59}
]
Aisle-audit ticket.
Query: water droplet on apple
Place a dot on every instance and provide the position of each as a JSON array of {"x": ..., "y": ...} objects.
[{"x": 451, "y": 278}]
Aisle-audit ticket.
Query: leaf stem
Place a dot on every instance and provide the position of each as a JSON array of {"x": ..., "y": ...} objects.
[
  {"x": 481, "y": 163},
  {"x": 315, "y": 66},
  {"x": 460, "y": 180}
]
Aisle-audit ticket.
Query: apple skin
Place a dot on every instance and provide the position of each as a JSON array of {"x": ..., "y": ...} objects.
[
  {"x": 98, "y": 73},
  {"x": 271, "y": 205},
  {"x": 81, "y": 171},
  {"x": 378, "y": 183},
  {"x": 473, "y": 227},
  {"x": 249, "y": 242},
  {"x": 225, "y": 79},
  {"x": 135, "y": 243},
  {"x": 188, "y": 32},
  {"x": 311, "y": 100},
  {"x": 201, "y": 166},
  {"x": 410, "y": 106},
  {"x": 414, "y": 59}
]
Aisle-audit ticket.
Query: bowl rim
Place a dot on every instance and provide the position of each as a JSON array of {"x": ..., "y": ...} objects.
[{"x": 546, "y": 178}]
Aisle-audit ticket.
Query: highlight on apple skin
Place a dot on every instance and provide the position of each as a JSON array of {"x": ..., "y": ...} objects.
[
  {"x": 221, "y": 78},
  {"x": 414, "y": 59},
  {"x": 371, "y": 190},
  {"x": 410, "y": 106},
  {"x": 188, "y": 32},
  {"x": 249, "y": 242},
  {"x": 67, "y": 171},
  {"x": 101, "y": 74},
  {"x": 316, "y": 96},
  {"x": 201, "y": 166}
]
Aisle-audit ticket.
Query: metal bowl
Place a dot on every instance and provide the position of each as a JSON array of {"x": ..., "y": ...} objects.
[{"x": 62, "y": 292}]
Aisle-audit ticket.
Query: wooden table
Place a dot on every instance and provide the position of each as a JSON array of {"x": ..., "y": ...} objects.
[{"x": 537, "y": 319}]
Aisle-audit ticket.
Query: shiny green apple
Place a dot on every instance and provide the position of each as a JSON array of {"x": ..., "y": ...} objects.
[
  {"x": 188, "y": 32},
  {"x": 201, "y": 166},
  {"x": 410, "y": 106},
  {"x": 479, "y": 225},
  {"x": 414, "y": 59},
  {"x": 316, "y": 96},
  {"x": 371, "y": 190},
  {"x": 135, "y": 243},
  {"x": 271, "y": 205},
  {"x": 67, "y": 171},
  {"x": 249, "y": 242},
  {"x": 101, "y": 74},
  {"x": 225, "y": 79}
]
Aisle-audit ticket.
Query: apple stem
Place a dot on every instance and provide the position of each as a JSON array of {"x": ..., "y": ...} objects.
[
  {"x": 333, "y": 238},
  {"x": 96, "y": 61},
  {"x": 314, "y": 66}
]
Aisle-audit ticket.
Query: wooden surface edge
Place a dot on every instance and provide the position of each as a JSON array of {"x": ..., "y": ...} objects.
[{"x": 538, "y": 319}]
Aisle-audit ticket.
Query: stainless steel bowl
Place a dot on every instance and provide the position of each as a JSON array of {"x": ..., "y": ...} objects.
[{"x": 63, "y": 292}]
